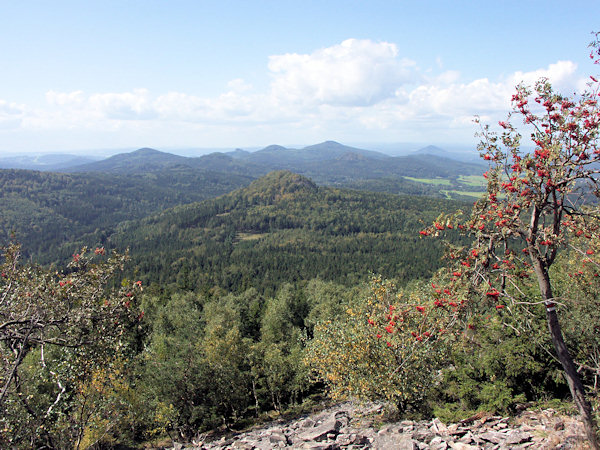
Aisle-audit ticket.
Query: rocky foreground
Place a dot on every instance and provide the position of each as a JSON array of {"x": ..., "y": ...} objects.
[{"x": 353, "y": 426}]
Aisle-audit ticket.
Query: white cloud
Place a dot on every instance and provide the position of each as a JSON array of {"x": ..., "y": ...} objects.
[
  {"x": 353, "y": 73},
  {"x": 180, "y": 106},
  {"x": 446, "y": 98},
  {"x": 10, "y": 109},
  {"x": 62, "y": 99},
  {"x": 133, "y": 105},
  {"x": 358, "y": 88},
  {"x": 459, "y": 98},
  {"x": 239, "y": 85},
  {"x": 562, "y": 75},
  {"x": 11, "y": 115}
]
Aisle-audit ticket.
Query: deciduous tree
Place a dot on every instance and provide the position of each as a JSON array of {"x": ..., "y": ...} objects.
[
  {"x": 68, "y": 326},
  {"x": 537, "y": 202}
]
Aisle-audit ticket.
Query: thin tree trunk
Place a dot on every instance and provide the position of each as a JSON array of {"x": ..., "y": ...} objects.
[
  {"x": 575, "y": 384},
  {"x": 570, "y": 371},
  {"x": 19, "y": 358},
  {"x": 255, "y": 396}
]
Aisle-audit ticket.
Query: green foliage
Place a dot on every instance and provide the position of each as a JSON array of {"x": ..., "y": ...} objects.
[
  {"x": 328, "y": 301},
  {"x": 301, "y": 232},
  {"x": 281, "y": 346},
  {"x": 225, "y": 352},
  {"x": 577, "y": 283},
  {"x": 175, "y": 377},
  {"x": 389, "y": 345},
  {"x": 64, "y": 337},
  {"x": 49, "y": 211},
  {"x": 498, "y": 363},
  {"x": 216, "y": 359}
]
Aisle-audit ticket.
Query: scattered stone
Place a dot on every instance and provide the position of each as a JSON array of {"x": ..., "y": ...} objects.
[
  {"x": 347, "y": 426},
  {"x": 456, "y": 431},
  {"x": 438, "y": 427},
  {"x": 307, "y": 423},
  {"x": 423, "y": 436},
  {"x": 463, "y": 446},
  {"x": 276, "y": 438},
  {"x": 518, "y": 438},
  {"x": 386, "y": 442},
  {"x": 322, "y": 431},
  {"x": 493, "y": 436},
  {"x": 467, "y": 438},
  {"x": 438, "y": 443},
  {"x": 388, "y": 429}
]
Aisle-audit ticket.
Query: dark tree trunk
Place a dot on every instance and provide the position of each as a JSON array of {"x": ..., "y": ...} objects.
[
  {"x": 570, "y": 371},
  {"x": 575, "y": 385}
]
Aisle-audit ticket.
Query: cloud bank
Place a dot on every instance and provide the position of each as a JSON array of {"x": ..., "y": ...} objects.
[{"x": 357, "y": 89}]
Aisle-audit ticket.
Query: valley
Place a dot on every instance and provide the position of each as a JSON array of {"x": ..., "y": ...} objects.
[{"x": 251, "y": 282}]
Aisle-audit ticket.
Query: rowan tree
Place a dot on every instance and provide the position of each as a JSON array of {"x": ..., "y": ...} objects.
[
  {"x": 537, "y": 202},
  {"x": 389, "y": 345}
]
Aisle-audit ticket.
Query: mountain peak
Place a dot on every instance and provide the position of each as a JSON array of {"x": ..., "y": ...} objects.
[
  {"x": 331, "y": 144},
  {"x": 335, "y": 150},
  {"x": 431, "y": 150},
  {"x": 280, "y": 184},
  {"x": 238, "y": 153},
  {"x": 273, "y": 148},
  {"x": 327, "y": 145},
  {"x": 139, "y": 161},
  {"x": 146, "y": 151}
]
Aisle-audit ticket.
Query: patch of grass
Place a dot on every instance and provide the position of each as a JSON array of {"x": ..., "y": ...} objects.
[
  {"x": 565, "y": 407},
  {"x": 473, "y": 180},
  {"x": 441, "y": 181},
  {"x": 448, "y": 194}
]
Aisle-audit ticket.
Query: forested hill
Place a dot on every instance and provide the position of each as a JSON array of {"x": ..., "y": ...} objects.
[
  {"x": 284, "y": 228},
  {"x": 52, "y": 214},
  {"x": 142, "y": 160},
  {"x": 327, "y": 163}
]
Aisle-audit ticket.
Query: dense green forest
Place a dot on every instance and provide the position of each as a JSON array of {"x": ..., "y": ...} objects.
[
  {"x": 281, "y": 228},
  {"x": 54, "y": 214},
  {"x": 241, "y": 278},
  {"x": 46, "y": 210},
  {"x": 284, "y": 228},
  {"x": 240, "y": 299}
]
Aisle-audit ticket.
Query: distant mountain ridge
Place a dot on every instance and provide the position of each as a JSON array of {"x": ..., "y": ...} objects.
[
  {"x": 51, "y": 162},
  {"x": 326, "y": 163},
  {"x": 431, "y": 150},
  {"x": 141, "y": 160}
]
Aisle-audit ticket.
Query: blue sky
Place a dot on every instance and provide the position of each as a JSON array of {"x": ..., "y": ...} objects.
[{"x": 85, "y": 75}]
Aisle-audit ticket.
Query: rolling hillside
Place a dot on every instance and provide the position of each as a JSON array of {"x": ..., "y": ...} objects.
[
  {"x": 284, "y": 228},
  {"x": 329, "y": 163},
  {"x": 52, "y": 214}
]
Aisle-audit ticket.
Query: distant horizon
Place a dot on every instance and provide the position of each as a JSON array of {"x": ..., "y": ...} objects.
[
  {"x": 389, "y": 148},
  {"x": 85, "y": 77}
]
